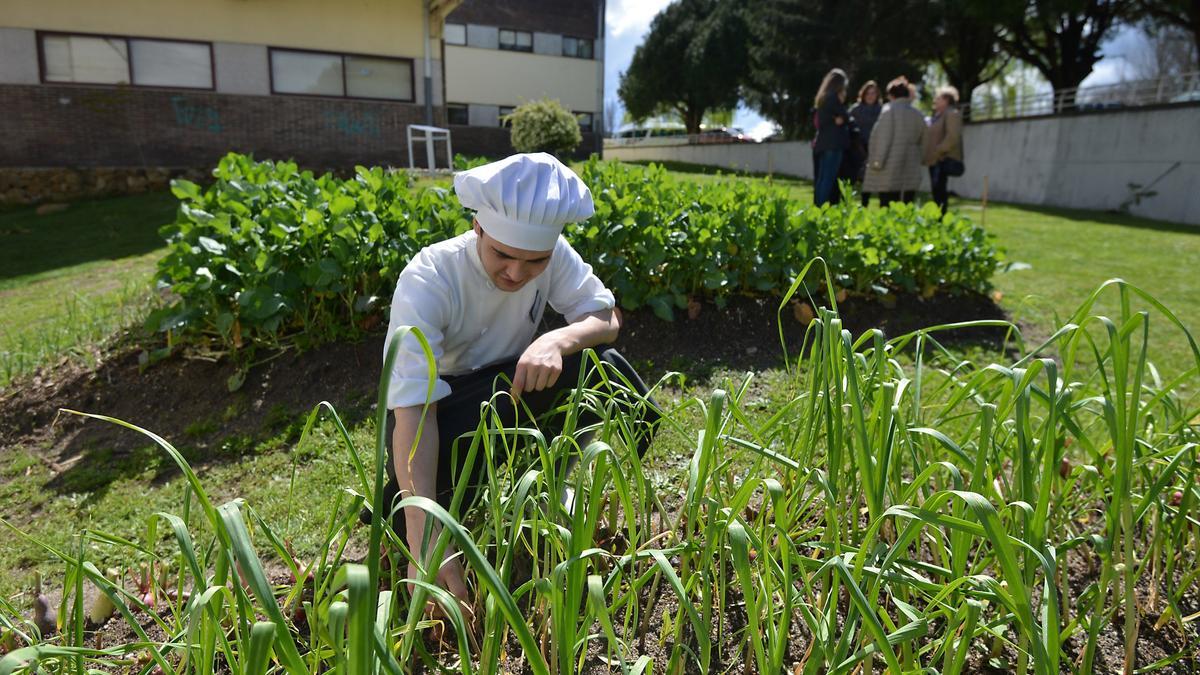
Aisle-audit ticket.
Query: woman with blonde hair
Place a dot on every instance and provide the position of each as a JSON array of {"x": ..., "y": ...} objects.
[
  {"x": 832, "y": 139},
  {"x": 895, "y": 150},
  {"x": 943, "y": 145}
]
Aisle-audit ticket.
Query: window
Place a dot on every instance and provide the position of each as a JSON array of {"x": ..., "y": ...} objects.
[
  {"x": 505, "y": 111},
  {"x": 580, "y": 48},
  {"x": 585, "y": 122},
  {"x": 516, "y": 40},
  {"x": 368, "y": 77},
  {"x": 95, "y": 59},
  {"x": 171, "y": 64},
  {"x": 457, "y": 113},
  {"x": 323, "y": 74},
  {"x": 306, "y": 73},
  {"x": 455, "y": 34}
]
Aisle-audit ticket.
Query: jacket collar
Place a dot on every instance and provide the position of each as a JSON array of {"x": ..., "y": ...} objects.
[{"x": 472, "y": 246}]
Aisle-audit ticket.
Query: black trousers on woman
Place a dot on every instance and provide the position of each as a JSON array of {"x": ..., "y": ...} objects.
[
  {"x": 905, "y": 196},
  {"x": 459, "y": 414},
  {"x": 937, "y": 185}
]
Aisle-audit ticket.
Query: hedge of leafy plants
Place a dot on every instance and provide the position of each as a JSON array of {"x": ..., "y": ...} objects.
[
  {"x": 656, "y": 240},
  {"x": 272, "y": 255}
]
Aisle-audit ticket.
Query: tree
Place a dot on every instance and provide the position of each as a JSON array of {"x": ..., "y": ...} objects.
[
  {"x": 1167, "y": 50},
  {"x": 965, "y": 42},
  {"x": 1180, "y": 14},
  {"x": 612, "y": 116},
  {"x": 691, "y": 62},
  {"x": 795, "y": 42},
  {"x": 1061, "y": 38}
]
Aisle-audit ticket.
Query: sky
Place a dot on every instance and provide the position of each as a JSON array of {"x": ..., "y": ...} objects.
[{"x": 628, "y": 21}]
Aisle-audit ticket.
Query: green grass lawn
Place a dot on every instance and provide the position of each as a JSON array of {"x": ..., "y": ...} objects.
[
  {"x": 81, "y": 274},
  {"x": 70, "y": 280}
]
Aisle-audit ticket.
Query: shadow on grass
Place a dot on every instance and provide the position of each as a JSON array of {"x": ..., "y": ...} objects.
[
  {"x": 1106, "y": 218},
  {"x": 86, "y": 231},
  {"x": 707, "y": 170}
]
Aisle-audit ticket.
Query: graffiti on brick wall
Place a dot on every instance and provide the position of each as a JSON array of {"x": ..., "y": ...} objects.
[
  {"x": 353, "y": 125},
  {"x": 196, "y": 115},
  {"x": 111, "y": 102}
]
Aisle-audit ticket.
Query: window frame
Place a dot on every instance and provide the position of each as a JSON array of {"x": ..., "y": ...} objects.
[
  {"x": 577, "y": 40},
  {"x": 465, "y": 40},
  {"x": 412, "y": 74},
  {"x": 591, "y": 125},
  {"x": 466, "y": 107},
  {"x": 40, "y": 36},
  {"x": 500, "y": 109},
  {"x": 515, "y": 48}
]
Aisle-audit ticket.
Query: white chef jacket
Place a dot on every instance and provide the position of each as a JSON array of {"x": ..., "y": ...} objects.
[{"x": 468, "y": 322}]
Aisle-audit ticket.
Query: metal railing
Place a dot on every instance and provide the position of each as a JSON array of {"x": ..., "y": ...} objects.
[
  {"x": 651, "y": 138},
  {"x": 1179, "y": 88}
]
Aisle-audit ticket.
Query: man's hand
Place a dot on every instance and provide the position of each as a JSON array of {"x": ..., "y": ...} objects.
[
  {"x": 452, "y": 577},
  {"x": 539, "y": 367}
]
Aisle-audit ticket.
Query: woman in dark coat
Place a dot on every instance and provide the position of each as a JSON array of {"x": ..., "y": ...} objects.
[
  {"x": 864, "y": 114},
  {"x": 832, "y": 139}
]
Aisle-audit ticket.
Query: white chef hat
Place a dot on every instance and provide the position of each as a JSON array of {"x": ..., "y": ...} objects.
[{"x": 524, "y": 200}]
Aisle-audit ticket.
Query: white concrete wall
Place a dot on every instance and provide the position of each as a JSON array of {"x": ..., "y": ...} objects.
[
  {"x": 1089, "y": 161},
  {"x": 1077, "y": 161},
  {"x": 242, "y": 69},
  {"x": 505, "y": 78},
  {"x": 18, "y": 56}
]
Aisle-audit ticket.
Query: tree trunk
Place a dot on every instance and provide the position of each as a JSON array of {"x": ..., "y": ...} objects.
[{"x": 692, "y": 117}]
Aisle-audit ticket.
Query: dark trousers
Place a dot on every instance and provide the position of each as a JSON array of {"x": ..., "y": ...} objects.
[
  {"x": 886, "y": 198},
  {"x": 459, "y": 414},
  {"x": 937, "y": 183},
  {"x": 826, "y": 170}
]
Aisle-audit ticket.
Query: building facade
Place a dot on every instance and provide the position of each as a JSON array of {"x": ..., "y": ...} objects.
[
  {"x": 498, "y": 55},
  {"x": 148, "y": 83}
]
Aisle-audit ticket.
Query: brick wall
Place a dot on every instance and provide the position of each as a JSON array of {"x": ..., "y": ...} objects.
[
  {"x": 494, "y": 142},
  {"x": 570, "y": 17},
  {"x": 74, "y": 126}
]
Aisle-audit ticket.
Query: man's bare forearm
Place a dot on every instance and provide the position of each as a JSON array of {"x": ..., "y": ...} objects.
[
  {"x": 416, "y": 472},
  {"x": 593, "y": 329}
]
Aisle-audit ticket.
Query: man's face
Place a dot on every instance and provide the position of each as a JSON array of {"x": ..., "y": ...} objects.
[{"x": 509, "y": 268}]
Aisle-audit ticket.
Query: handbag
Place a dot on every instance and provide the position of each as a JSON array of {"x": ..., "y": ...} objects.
[{"x": 952, "y": 167}]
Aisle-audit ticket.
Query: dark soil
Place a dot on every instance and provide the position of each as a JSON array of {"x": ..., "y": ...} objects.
[{"x": 186, "y": 400}]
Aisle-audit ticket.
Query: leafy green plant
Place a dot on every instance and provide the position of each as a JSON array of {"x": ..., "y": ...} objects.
[
  {"x": 273, "y": 256},
  {"x": 462, "y": 162},
  {"x": 657, "y": 240},
  {"x": 544, "y": 125}
]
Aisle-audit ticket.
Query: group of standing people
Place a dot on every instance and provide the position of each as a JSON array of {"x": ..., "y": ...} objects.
[{"x": 883, "y": 147}]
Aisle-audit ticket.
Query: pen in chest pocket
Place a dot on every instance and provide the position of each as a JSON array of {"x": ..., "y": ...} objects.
[{"x": 537, "y": 297}]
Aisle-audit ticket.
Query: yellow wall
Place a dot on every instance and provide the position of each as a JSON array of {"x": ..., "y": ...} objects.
[
  {"x": 383, "y": 27},
  {"x": 499, "y": 77}
]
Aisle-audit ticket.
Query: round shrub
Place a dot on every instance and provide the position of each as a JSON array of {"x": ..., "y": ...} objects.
[{"x": 544, "y": 126}]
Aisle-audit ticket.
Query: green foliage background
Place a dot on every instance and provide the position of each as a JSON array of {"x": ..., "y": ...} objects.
[
  {"x": 272, "y": 255},
  {"x": 544, "y": 126}
]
